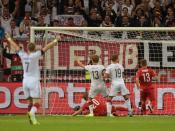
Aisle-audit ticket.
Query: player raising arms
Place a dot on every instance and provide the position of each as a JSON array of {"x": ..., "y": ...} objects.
[
  {"x": 115, "y": 72},
  {"x": 31, "y": 75},
  {"x": 144, "y": 78},
  {"x": 97, "y": 83}
]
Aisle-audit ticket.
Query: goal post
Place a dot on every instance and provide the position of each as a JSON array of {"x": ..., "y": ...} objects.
[{"x": 64, "y": 82}]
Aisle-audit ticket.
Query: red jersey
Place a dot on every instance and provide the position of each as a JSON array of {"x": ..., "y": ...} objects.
[
  {"x": 99, "y": 108},
  {"x": 145, "y": 76}
]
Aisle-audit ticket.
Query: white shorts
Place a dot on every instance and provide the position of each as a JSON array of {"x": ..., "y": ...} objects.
[
  {"x": 118, "y": 87},
  {"x": 31, "y": 88},
  {"x": 98, "y": 89}
]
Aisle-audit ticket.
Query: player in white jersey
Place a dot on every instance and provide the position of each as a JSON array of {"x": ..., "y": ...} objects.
[
  {"x": 31, "y": 76},
  {"x": 115, "y": 72},
  {"x": 97, "y": 83}
]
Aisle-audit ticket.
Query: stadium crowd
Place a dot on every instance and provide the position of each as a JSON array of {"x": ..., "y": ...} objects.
[{"x": 16, "y": 16}]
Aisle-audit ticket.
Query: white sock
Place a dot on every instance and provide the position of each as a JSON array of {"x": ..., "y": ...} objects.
[
  {"x": 109, "y": 107},
  {"x": 128, "y": 104},
  {"x": 91, "y": 109},
  {"x": 33, "y": 110}
]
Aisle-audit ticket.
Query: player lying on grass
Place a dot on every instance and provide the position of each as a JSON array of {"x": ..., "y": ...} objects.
[
  {"x": 99, "y": 108},
  {"x": 97, "y": 83},
  {"x": 144, "y": 78},
  {"x": 31, "y": 74},
  {"x": 115, "y": 72}
]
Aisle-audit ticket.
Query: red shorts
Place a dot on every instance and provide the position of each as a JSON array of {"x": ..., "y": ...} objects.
[{"x": 147, "y": 94}]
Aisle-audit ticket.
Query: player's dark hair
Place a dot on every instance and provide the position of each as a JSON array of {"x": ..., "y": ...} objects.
[
  {"x": 95, "y": 58},
  {"x": 76, "y": 108},
  {"x": 114, "y": 58},
  {"x": 143, "y": 62},
  {"x": 31, "y": 47}
]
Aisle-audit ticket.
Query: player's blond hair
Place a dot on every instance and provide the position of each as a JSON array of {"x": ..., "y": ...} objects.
[
  {"x": 143, "y": 62},
  {"x": 114, "y": 58},
  {"x": 31, "y": 47},
  {"x": 95, "y": 58}
]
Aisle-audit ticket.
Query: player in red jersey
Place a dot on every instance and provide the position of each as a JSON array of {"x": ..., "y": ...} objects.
[
  {"x": 144, "y": 78},
  {"x": 99, "y": 108}
]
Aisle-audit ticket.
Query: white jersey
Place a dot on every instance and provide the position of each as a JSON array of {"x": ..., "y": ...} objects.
[
  {"x": 95, "y": 73},
  {"x": 116, "y": 72},
  {"x": 30, "y": 64}
]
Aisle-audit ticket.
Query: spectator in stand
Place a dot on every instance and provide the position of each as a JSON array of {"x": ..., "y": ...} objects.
[
  {"x": 136, "y": 14},
  {"x": 70, "y": 22},
  {"x": 79, "y": 7},
  {"x": 118, "y": 19},
  {"x": 6, "y": 19},
  {"x": 128, "y": 4},
  {"x": 157, "y": 19},
  {"x": 24, "y": 27},
  {"x": 116, "y": 5},
  {"x": 41, "y": 21},
  {"x": 172, "y": 4},
  {"x": 69, "y": 8},
  {"x": 95, "y": 4},
  {"x": 125, "y": 22},
  {"x": 13, "y": 30},
  {"x": 143, "y": 22},
  {"x": 107, "y": 22},
  {"x": 158, "y": 6},
  {"x": 56, "y": 22},
  {"x": 110, "y": 12},
  {"x": 146, "y": 8},
  {"x": 94, "y": 19},
  {"x": 45, "y": 14},
  {"x": 170, "y": 18}
]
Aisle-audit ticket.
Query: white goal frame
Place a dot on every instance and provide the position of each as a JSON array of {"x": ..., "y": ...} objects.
[{"x": 117, "y": 29}]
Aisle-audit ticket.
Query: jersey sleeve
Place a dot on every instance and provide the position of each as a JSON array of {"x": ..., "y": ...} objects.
[
  {"x": 38, "y": 54},
  {"x": 153, "y": 73},
  {"x": 87, "y": 67},
  {"x": 20, "y": 53}
]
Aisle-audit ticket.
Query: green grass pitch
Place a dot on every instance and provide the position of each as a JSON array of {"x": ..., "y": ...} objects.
[{"x": 81, "y": 123}]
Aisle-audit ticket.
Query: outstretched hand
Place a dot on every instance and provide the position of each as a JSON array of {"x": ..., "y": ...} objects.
[{"x": 58, "y": 38}]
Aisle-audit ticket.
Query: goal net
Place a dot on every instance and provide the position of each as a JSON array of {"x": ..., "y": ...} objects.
[{"x": 64, "y": 82}]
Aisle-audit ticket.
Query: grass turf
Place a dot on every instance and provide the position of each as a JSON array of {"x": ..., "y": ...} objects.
[{"x": 80, "y": 123}]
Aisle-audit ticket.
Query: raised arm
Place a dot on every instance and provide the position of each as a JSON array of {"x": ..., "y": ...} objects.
[
  {"x": 80, "y": 63},
  {"x": 51, "y": 44},
  {"x": 11, "y": 41}
]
